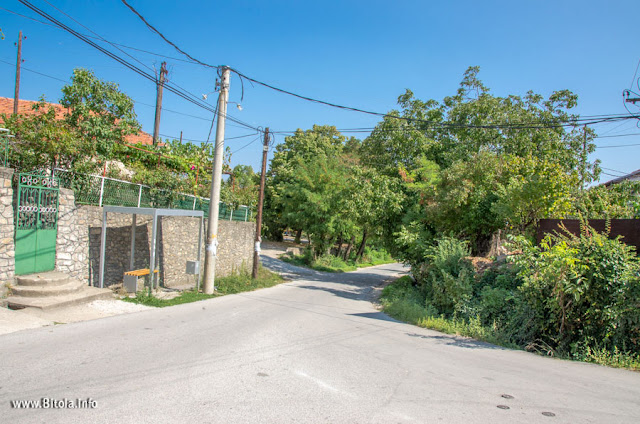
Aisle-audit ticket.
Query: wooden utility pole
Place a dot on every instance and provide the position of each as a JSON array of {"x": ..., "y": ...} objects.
[
  {"x": 256, "y": 250},
  {"x": 156, "y": 125},
  {"x": 16, "y": 95}
]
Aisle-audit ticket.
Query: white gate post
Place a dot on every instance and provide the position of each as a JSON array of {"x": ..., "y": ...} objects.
[{"x": 101, "y": 191}]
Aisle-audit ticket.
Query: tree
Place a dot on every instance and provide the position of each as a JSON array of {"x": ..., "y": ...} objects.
[
  {"x": 313, "y": 199},
  {"x": 99, "y": 110},
  {"x": 318, "y": 142},
  {"x": 494, "y": 162},
  {"x": 242, "y": 187},
  {"x": 44, "y": 142}
]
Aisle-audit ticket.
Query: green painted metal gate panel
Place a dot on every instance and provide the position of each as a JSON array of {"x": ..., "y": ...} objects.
[{"x": 36, "y": 223}]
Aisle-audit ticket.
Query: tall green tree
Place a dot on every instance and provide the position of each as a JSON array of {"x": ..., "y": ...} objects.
[
  {"x": 502, "y": 162},
  {"x": 99, "y": 110},
  {"x": 318, "y": 142}
]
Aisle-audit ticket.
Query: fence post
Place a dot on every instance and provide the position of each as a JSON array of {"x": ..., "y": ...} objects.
[
  {"x": 101, "y": 192},
  {"x": 246, "y": 214},
  {"x": 139, "y": 194}
]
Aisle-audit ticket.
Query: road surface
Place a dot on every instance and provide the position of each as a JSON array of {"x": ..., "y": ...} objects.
[{"x": 311, "y": 350}]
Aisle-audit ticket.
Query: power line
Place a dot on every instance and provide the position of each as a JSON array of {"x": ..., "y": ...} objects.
[
  {"x": 573, "y": 122},
  {"x": 205, "y": 141},
  {"x": 181, "y": 93},
  {"x": 620, "y": 145},
  {"x": 554, "y": 124},
  {"x": 136, "y": 101},
  {"x": 246, "y": 145},
  {"x": 35, "y": 72},
  {"x": 98, "y": 35},
  {"x": 152, "y": 28},
  {"x": 106, "y": 52},
  {"x": 617, "y": 135},
  {"x": 97, "y": 38},
  {"x": 615, "y": 170}
]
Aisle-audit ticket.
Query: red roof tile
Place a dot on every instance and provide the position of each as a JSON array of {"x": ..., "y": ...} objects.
[{"x": 25, "y": 107}]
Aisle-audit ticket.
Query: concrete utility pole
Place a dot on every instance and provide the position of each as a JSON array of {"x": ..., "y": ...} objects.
[
  {"x": 156, "y": 125},
  {"x": 16, "y": 95},
  {"x": 256, "y": 250},
  {"x": 216, "y": 179}
]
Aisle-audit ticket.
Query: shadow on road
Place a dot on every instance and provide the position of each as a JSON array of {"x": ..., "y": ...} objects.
[
  {"x": 375, "y": 315},
  {"x": 458, "y": 341}
]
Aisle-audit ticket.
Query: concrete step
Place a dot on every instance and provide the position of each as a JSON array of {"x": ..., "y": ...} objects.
[
  {"x": 85, "y": 295},
  {"x": 50, "y": 278},
  {"x": 47, "y": 290}
]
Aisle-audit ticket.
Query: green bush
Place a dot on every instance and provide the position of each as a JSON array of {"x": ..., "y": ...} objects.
[
  {"x": 580, "y": 291},
  {"x": 447, "y": 275}
]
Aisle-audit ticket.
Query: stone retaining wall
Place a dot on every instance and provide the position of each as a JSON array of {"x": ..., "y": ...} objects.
[
  {"x": 79, "y": 237},
  {"x": 7, "y": 248}
]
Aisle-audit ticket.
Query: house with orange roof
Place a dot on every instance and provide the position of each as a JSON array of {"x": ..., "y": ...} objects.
[{"x": 25, "y": 107}]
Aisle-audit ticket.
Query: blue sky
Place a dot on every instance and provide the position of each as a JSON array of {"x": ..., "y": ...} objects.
[{"x": 357, "y": 53}]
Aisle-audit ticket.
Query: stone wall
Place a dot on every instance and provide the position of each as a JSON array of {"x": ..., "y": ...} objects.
[
  {"x": 79, "y": 237},
  {"x": 71, "y": 251},
  {"x": 178, "y": 244},
  {"x": 7, "y": 248}
]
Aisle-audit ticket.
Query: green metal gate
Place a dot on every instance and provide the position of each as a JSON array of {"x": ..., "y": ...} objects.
[{"x": 36, "y": 220}]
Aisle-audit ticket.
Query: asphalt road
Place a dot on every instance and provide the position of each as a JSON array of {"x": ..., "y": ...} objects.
[{"x": 310, "y": 350}]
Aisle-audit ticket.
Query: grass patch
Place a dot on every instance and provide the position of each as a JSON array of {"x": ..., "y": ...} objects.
[
  {"x": 325, "y": 263},
  {"x": 237, "y": 283},
  {"x": 144, "y": 298},
  {"x": 403, "y": 301},
  {"x": 615, "y": 359},
  {"x": 331, "y": 263}
]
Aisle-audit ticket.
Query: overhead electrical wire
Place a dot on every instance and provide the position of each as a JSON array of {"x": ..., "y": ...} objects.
[
  {"x": 615, "y": 170},
  {"x": 152, "y": 28},
  {"x": 136, "y": 102},
  {"x": 181, "y": 93},
  {"x": 620, "y": 145},
  {"x": 23, "y": 68},
  {"x": 556, "y": 124},
  {"x": 97, "y": 38},
  {"x": 205, "y": 141},
  {"x": 98, "y": 35},
  {"x": 345, "y": 130},
  {"x": 246, "y": 145},
  {"x": 193, "y": 99}
]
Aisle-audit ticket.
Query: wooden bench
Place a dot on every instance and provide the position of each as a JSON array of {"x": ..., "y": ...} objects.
[{"x": 130, "y": 281}]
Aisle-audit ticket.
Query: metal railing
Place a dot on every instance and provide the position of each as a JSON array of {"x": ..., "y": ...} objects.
[
  {"x": 5, "y": 140},
  {"x": 101, "y": 191}
]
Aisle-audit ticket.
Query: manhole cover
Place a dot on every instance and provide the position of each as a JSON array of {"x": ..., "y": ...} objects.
[
  {"x": 548, "y": 414},
  {"x": 507, "y": 396},
  {"x": 503, "y": 407}
]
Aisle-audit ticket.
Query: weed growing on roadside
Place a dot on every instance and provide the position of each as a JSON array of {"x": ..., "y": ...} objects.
[{"x": 240, "y": 281}]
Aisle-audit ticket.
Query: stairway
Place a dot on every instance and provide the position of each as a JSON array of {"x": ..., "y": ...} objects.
[{"x": 47, "y": 290}]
